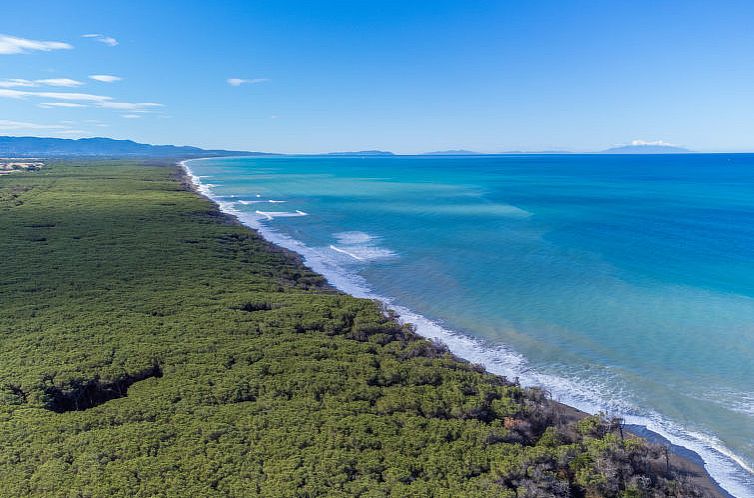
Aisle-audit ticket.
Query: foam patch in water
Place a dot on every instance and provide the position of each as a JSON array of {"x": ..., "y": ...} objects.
[{"x": 360, "y": 246}]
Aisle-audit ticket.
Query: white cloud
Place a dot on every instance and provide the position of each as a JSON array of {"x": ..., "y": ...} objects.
[
  {"x": 105, "y": 78},
  {"x": 64, "y": 128},
  {"x": 15, "y": 45},
  {"x": 6, "y": 125},
  {"x": 98, "y": 100},
  {"x": 107, "y": 40},
  {"x": 16, "y": 82},
  {"x": 241, "y": 81},
  {"x": 650, "y": 142},
  {"x": 67, "y": 82},
  {"x": 86, "y": 97},
  {"x": 14, "y": 94},
  {"x": 73, "y": 132},
  {"x": 131, "y": 116},
  {"x": 19, "y": 82},
  {"x": 130, "y": 106},
  {"x": 50, "y": 105},
  {"x": 82, "y": 97}
]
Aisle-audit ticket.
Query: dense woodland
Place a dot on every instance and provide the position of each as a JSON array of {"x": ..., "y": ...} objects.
[{"x": 150, "y": 346}]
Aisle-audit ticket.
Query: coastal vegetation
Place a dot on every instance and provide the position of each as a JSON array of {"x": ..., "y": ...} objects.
[{"x": 151, "y": 346}]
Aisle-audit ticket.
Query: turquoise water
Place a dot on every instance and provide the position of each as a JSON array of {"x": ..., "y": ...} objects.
[{"x": 620, "y": 283}]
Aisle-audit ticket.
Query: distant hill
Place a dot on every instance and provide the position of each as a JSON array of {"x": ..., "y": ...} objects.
[
  {"x": 535, "y": 152},
  {"x": 453, "y": 152},
  {"x": 36, "y": 146},
  {"x": 463, "y": 152},
  {"x": 646, "y": 149},
  {"x": 362, "y": 153}
]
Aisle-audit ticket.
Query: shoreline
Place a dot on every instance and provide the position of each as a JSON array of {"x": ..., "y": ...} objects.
[{"x": 684, "y": 460}]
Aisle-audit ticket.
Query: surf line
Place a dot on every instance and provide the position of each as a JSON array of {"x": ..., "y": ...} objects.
[
  {"x": 338, "y": 249},
  {"x": 271, "y": 201},
  {"x": 270, "y": 215}
]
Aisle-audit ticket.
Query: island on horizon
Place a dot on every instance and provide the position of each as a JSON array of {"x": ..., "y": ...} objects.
[{"x": 646, "y": 149}]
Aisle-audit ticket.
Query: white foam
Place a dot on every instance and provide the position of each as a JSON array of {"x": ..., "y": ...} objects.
[
  {"x": 741, "y": 402},
  {"x": 270, "y": 201},
  {"x": 343, "y": 251},
  {"x": 721, "y": 463},
  {"x": 351, "y": 238},
  {"x": 360, "y": 246},
  {"x": 271, "y": 215}
]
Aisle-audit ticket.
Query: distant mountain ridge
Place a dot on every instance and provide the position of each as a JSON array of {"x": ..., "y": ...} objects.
[
  {"x": 537, "y": 152},
  {"x": 464, "y": 152},
  {"x": 37, "y": 146},
  {"x": 646, "y": 149},
  {"x": 100, "y": 146},
  {"x": 362, "y": 153}
]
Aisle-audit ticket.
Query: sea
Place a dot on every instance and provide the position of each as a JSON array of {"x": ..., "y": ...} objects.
[{"x": 621, "y": 284}]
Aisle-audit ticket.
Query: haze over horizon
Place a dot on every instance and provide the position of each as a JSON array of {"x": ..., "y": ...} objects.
[{"x": 303, "y": 77}]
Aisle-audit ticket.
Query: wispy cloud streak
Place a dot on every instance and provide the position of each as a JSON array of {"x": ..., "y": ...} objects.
[
  {"x": 105, "y": 78},
  {"x": 241, "y": 81},
  {"x": 7, "y": 125},
  {"x": 107, "y": 40},
  {"x": 103, "y": 101},
  {"x": 16, "y": 45},
  {"x": 20, "y": 83}
]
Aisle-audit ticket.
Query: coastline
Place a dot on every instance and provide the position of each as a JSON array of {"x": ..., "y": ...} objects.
[{"x": 682, "y": 459}]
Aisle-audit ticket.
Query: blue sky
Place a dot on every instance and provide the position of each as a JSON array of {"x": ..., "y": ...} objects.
[{"x": 407, "y": 76}]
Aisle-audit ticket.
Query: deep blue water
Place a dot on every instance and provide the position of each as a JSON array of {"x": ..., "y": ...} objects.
[{"x": 620, "y": 283}]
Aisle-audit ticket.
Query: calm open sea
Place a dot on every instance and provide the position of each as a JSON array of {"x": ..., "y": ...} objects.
[{"x": 620, "y": 283}]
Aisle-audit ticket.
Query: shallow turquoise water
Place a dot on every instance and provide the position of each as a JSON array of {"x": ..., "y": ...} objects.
[{"x": 620, "y": 283}]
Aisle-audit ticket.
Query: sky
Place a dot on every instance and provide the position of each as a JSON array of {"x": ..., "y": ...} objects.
[{"x": 406, "y": 76}]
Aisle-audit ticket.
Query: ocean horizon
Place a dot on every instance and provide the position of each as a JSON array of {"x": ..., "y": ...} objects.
[{"x": 621, "y": 284}]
